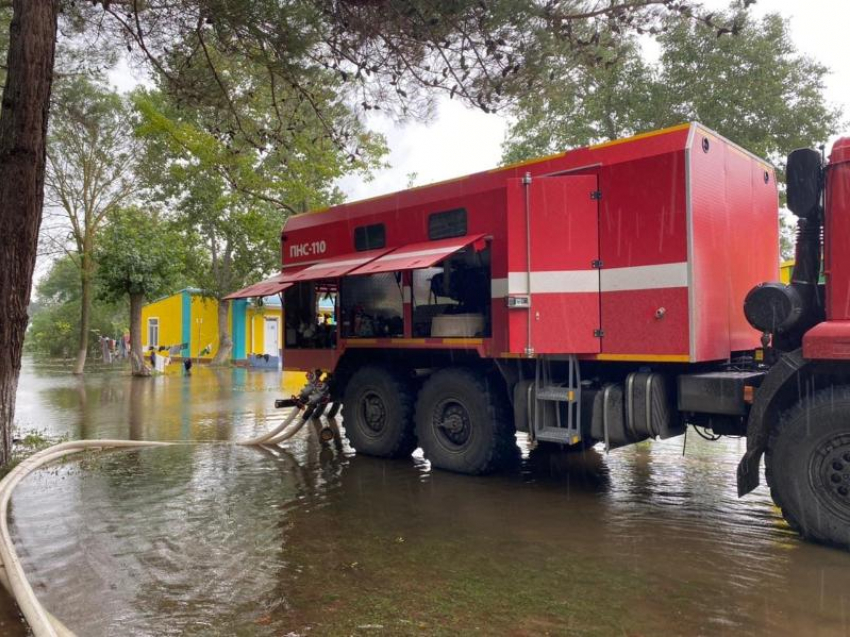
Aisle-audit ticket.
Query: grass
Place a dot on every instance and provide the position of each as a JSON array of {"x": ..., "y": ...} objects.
[{"x": 24, "y": 446}]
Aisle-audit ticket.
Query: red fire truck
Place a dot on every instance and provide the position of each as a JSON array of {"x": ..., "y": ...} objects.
[{"x": 609, "y": 294}]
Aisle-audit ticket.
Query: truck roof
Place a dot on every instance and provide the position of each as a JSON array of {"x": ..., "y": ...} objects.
[{"x": 638, "y": 146}]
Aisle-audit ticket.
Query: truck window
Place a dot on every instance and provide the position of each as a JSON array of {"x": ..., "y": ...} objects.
[
  {"x": 443, "y": 225},
  {"x": 370, "y": 237},
  {"x": 372, "y": 306},
  {"x": 453, "y": 299},
  {"x": 310, "y": 315}
]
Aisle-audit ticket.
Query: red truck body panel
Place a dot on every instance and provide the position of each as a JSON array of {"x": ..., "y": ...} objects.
[
  {"x": 837, "y": 231},
  {"x": 655, "y": 267},
  {"x": 733, "y": 248},
  {"x": 831, "y": 339},
  {"x": 565, "y": 293}
]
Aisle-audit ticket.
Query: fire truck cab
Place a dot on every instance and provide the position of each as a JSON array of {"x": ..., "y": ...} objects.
[{"x": 605, "y": 295}]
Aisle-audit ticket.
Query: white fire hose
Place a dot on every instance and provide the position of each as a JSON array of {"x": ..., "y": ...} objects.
[{"x": 309, "y": 404}]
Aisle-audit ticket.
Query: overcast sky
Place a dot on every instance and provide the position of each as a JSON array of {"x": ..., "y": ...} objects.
[{"x": 460, "y": 140}]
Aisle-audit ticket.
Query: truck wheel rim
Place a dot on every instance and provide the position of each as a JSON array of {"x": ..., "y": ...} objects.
[
  {"x": 374, "y": 413},
  {"x": 829, "y": 470},
  {"x": 452, "y": 424}
]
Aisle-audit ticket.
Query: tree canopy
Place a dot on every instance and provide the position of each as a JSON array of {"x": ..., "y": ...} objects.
[
  {"x": 229, "y": 195},
  {"x": 752, "y": 86},
  {"x": 55, "y": 323},
  {"x": 138, "y": 259},
  {"x": 137, "y": 255}
]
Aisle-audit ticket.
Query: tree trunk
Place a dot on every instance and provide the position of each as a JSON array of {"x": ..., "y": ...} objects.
[
  {"x": 225, "y": 345},
  {"x": 86, "y": 267},
  {"x": 23, "y": 134},
  {"x": 137, "y": 356},
  {"x": 136, "y": 406}
]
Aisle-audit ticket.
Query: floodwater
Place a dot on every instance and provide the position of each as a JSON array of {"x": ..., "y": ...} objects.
[{"x": 310, "y": 539}]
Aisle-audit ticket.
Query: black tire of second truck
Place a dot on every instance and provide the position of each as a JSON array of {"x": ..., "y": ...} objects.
[
  {"x": 463, "y": 422},
  {"x": 377, "y": 412},
  {"x": 807, "y": 465}
]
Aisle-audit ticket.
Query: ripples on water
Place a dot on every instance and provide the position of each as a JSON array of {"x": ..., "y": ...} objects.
[{"x": 215, "y": 539}]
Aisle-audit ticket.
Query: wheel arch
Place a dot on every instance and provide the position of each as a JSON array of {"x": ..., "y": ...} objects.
[
  {"x": 791, "y": 380},
  {"x": 410, "y": 359}
]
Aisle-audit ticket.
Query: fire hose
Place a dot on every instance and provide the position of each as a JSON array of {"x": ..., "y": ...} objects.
[{"x": 310, "y": 403}]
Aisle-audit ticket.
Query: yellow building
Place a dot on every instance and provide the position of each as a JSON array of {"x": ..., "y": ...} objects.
[
  {"x": 785, "y": 269},
  {"x": 188, "y": 322}
]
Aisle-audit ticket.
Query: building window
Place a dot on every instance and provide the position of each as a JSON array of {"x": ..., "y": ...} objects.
[
  {"x": 153, "y": 332},
  {"x": 451, "y": 223},
  {"x": 370, "y": 237}
]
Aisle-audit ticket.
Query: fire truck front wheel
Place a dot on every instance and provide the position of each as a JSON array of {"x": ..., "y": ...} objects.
[
  {"x": 377, "y": 411},
  {"x": 808, "y": 467},
  {"x": 463, "y": 422}
]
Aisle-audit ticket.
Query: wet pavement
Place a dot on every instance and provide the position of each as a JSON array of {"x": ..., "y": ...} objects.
[{"x": 310, "y": 539}]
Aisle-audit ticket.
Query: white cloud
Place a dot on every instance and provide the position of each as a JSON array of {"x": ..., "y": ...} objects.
[
  {"x": 124, "y": 78},
  {"x": 458, "y": 141}
]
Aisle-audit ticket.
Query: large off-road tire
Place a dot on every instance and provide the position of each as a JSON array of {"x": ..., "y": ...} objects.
[
  {"x": 464, "y": 423},
  {"x": 377, "y": 412},
  {"x": 808, "y": 467}
]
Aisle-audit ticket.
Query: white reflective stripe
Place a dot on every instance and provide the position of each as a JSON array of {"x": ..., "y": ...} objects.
[
  {"x": 560, "y": 281},
  {"x": 406, "y": 295},
  {"x": 645, "y": 277}
]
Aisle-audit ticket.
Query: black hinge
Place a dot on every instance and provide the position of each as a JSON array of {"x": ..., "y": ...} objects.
[
  {"x": 596, "y": 264},
  {"x": 596, "y": 195},
  {"x": 599, "y": 333}
]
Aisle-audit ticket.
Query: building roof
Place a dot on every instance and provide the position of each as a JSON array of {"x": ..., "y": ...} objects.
[{"x": 273, "y": 301}]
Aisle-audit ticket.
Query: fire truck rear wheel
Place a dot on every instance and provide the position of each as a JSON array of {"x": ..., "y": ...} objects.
[
  {"x": 808, "y": 467},
  {"x": 377, "y": 412},
  {"x": 463, "y": 422}
]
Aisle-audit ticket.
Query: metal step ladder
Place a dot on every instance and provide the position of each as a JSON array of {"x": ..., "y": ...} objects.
[{"x": 549, "y": 390}]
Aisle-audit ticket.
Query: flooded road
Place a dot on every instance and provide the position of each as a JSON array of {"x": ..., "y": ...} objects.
[{"x": 312, "y": 540}]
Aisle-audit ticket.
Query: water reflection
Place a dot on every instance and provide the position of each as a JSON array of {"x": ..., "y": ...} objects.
[{"x": 312, "y": 539}]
